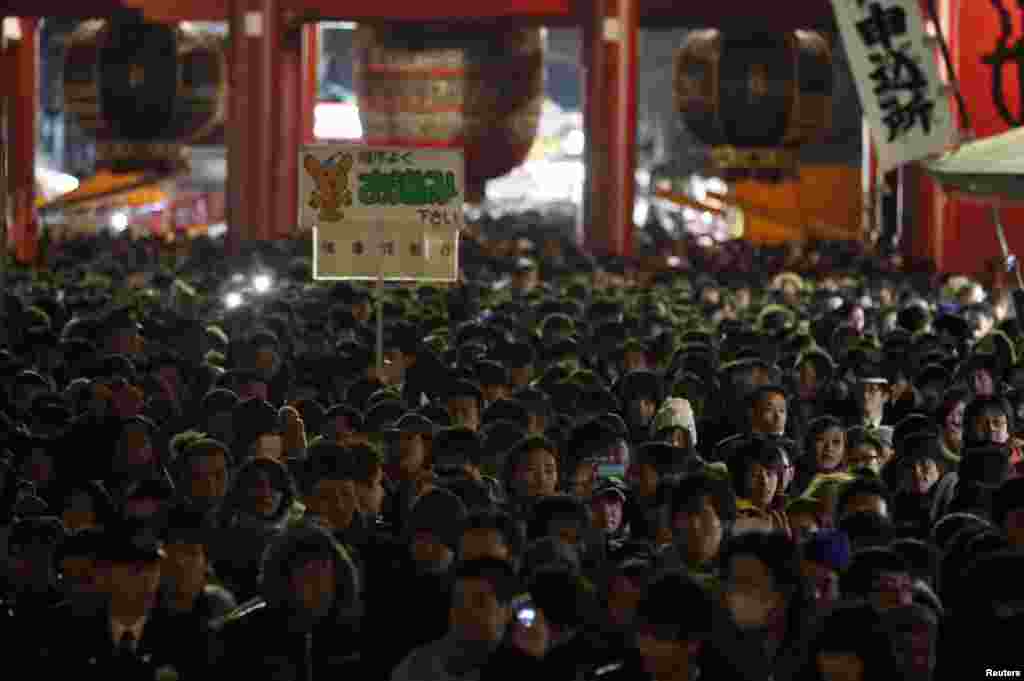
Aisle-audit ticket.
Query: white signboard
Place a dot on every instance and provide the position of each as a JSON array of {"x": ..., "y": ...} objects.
[
  {"x": 382, "y": 212},
  {"x": 893, "y": 62}
]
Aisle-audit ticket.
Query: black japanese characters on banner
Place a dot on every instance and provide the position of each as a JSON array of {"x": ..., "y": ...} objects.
[
  {"x": 900, "y": 82},
  {"x": 1007, "y": 53}
]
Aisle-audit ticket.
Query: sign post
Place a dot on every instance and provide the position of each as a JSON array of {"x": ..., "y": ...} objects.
[{"x": 388, "y": 214}]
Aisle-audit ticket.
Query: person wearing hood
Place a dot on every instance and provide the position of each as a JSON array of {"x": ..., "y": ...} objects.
[
  {"x": 989, "y": 421},
  {"x": 304, "y": 622},
  {"x": 921, "y": 465},
  {"x": 258, "y": 507},
  {"x": 424, "y": 577}
]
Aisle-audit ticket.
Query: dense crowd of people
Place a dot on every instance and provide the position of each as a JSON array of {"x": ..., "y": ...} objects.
[{"x": 754, "y": 464}]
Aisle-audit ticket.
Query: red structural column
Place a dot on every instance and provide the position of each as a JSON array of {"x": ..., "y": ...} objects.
[
  {"x": 269, "y": 124},
  {"x": 610, "y": 36},
  {"x": 289, "y": 135},
  {"x": 310, "y": 79},
  {"x": 241, "y": 211},
  {"x": 22, "y": 67}
]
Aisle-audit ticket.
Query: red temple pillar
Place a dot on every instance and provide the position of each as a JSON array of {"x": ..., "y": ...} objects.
[
  {"x": 242, "y": 135},
  {"x": 610, "y": 54},
  {"x": 289, "y": 137},
  {"x": 269, "y": 112},
  {"x": 310, "y": 79},
  {"x": 21, "y": 90}
]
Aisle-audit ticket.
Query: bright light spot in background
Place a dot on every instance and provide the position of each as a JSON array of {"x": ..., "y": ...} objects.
[
  {"x": 674, "y": 261},
  {"x": 641, "y": 211},
  {"x": 716, "y": 185},
  {"x": 261, "y": 282},
  {"x": 217, "y": 231},
  {"x": 237, "y": 278},
  {"x": 55, "y": 184},
  {"x": 119, "y": 222},
  {"x": 337, "y": 121},
  {"x": 232, "y": 300},
  {"x": 575, "y": 143}
]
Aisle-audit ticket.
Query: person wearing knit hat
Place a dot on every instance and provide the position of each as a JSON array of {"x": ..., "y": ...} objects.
[
  {"x": 433, "y": 530},
  {"x": 674, "y": 423},
  {"x": 920, "y": 466}
]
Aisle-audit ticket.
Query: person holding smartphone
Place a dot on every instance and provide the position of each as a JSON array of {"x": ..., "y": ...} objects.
[{"x": 495, "y": 630}]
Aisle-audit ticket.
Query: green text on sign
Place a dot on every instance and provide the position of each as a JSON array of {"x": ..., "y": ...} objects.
[{"x": 407, "y": 187}]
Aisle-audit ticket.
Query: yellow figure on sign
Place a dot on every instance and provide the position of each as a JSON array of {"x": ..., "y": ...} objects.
[{"x": 332, "y": 190}]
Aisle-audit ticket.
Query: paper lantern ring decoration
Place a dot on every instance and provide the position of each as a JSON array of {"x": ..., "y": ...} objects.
[
  {"x": 755, "y": 98},
  {"x": 443, "y": 86},
  {"x": 144, "y": 89}
]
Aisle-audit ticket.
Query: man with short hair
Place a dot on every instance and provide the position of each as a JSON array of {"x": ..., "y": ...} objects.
[
  {"x": 203, "y": 474},
  {"x": 484, "y": 636}
]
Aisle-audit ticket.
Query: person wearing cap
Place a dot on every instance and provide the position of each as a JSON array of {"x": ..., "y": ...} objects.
[
  {"x": 116, "y": 640},
  {"x": 872, "y": 396},
  {"x": 606, "y": 514},
  {"x": 606, "y": 505}
]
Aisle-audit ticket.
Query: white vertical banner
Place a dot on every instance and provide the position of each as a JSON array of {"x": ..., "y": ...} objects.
[{"x": 894, "y": 64}]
